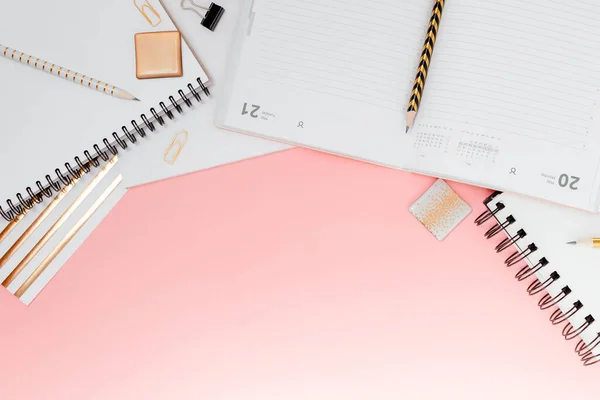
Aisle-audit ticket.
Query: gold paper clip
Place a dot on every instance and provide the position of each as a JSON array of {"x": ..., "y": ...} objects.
[
  {"x": 172, "y": 152},
  {"x": 148, "y": 12}
]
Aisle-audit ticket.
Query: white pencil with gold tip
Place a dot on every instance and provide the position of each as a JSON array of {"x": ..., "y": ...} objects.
[
  {"x": 65, "y": 73},
  {"x": 589, "y": 243}
]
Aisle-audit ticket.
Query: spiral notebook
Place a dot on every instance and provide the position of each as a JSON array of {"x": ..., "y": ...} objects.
[
  {"x": 562, "y": 277},
  {"x": 510, "y": 103},
  {"x": 52, "y": 129}
]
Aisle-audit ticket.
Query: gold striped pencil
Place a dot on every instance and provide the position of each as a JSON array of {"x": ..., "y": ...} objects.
[
  {"x": 64, "y": 73},
  {"x": 417, "y": 92}
]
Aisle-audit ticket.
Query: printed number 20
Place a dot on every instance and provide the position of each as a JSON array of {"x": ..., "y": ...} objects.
[
  {"x": 564, "y": 180},
  {"x": 253, "y": 113}
]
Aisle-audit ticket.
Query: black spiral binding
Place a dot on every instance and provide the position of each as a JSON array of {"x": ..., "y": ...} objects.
[
  {"x": 570, "y": 332},
  {"x": 82, "y": 165}
]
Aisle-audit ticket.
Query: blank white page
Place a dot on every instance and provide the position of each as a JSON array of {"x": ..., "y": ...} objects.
[
  {"x": 48, "y": 120},
  {"x": 512, "y": 86}
]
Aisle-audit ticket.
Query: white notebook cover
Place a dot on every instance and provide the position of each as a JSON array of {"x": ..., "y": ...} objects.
[
  {"x": 510, "y": 101},
  {"x": 549, "y": 227},
  {"x": 47, "y": 120}
]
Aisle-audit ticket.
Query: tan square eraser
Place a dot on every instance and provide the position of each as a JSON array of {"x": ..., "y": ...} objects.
[{"x": 158, "y": 55}]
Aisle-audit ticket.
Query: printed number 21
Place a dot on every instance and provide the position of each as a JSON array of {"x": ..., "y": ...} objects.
[{"x": 253, "y": 113}]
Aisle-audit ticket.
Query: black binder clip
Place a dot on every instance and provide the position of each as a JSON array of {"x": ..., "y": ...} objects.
[{"x": 210, "y": 16}]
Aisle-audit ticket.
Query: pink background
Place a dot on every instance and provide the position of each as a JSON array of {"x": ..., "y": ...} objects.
[{"x": 292, "y": 276}]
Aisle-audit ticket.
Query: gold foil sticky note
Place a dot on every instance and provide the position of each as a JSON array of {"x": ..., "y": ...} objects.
[
  {"x": 440, "y": 209},
  {"x": 158, "y": 55}
]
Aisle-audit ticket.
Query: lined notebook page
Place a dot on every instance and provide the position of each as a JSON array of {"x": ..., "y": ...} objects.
[
  {"x": 512, "y": 86},
  {"x": 525, "y": 68},
  {"x": 348, "y": 49}
]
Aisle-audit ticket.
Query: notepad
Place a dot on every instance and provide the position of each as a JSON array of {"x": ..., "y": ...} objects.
[
  {"x": 511, "y": 99},
  {"x": 564, "y": 278}
]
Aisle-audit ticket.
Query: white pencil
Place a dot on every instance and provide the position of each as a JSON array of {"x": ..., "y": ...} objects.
[
  {"x": 64, "y": 73},
  {"x": 590, "y": 243}
]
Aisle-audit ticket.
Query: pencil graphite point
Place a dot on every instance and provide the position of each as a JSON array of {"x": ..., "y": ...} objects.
[
  {"x": 410, "y": 119},
  {"x": 572, "y": 243}
]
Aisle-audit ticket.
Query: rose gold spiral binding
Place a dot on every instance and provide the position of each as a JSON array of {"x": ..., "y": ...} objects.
[
  {"x": 547, "y": 301},
  {"x": 499, "y": 227},
  {"x": 590, "y": 359},
  {"x": 570, "y": 332},
  {"x": 509, "y": 241},
  {"x": 45, "y": 188},
  {"x": 586, "y": 351},
  {"x": 488, "y": 214},
  {"x": 558, "y": 316},
  {"x": 527, "y": 271},
  {"x": 583, "y": 348},
  {"x": 519, "y": 256},
  {"x": 537, "y": 286}
]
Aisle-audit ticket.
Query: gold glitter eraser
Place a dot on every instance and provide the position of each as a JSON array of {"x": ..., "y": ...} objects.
[
  {"x": 440, "y": 209},
  {"x": 158, "y": 55}
]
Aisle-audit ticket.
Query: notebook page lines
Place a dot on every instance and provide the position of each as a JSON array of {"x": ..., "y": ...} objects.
[
  {"x": 518, "y": 68},
  {"x": 344, "y": 49}
]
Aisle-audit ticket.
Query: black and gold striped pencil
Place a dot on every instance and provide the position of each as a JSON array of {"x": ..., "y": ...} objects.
[{"x": 417, "y": 92}]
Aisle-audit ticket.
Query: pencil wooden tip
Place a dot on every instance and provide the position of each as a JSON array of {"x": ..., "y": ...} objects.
[
  {"x": 126, "y": 96},
  {"x": 410, "y": 118}
]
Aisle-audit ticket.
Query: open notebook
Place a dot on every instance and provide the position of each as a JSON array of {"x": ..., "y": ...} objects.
[
  {"x": 535, "y": 243},
  {"x": 51, "y": 127},
  {"x": 510, "y": 101}
]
